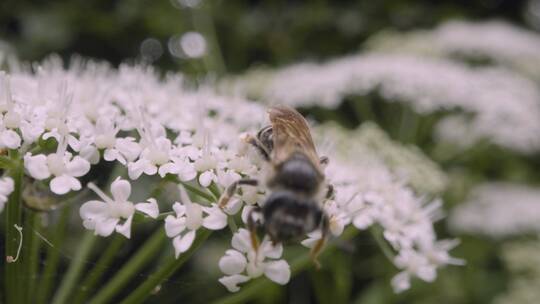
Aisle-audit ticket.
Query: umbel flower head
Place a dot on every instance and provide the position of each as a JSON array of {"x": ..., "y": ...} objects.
[{"x": 68, "y": 120}]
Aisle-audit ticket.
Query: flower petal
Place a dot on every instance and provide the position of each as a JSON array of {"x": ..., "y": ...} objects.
[
  {"x": 10, "y": 139},
  {"x": 174, "y": 226},
  {"x": 78, "y": 166},
  {"x": 182, "y": 243},
  {"x": 113, "y": 154},
  {"x": 206, "y": 178},
  {"x": 187, "y": 172},
  {"x": 37, "y": 166},
  {"x": 216, "y": 219},
  {"x": 121, "y": 189},
  {"x": 64, "y": 183},
  {"x": 125, "y": 229},
  {"x": 231, "y": 282},
  {"x": 241, "y": 241},
  {"x": 401, "y": 282},
  {"x": 91, "y": 212},
  {"x": 271, "y": 251},
  {"x": 150, "y": 208},
  {"x": 106, "y": 226},
  {"x": 233, "y": 262},
  {"x": 278, "y": 271},
  {"x": 167, "y": 168}
]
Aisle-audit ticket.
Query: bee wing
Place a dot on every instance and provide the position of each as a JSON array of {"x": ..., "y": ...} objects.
[{"x": 290, "y": 132}]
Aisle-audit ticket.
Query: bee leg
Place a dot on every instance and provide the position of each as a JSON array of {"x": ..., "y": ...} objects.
[
  {"x": 252, "y": 227},
  {"x": 316, "y": 250},
  {"x": 231, "y": 190},
  {"x": 250, "y": 139}
]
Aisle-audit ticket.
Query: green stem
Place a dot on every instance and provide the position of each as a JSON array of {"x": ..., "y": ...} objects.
[
  {"x": 31, "y": 251},
  {"x": 75, "y": 268},
  {"x": 254, "y": 288},
  {"x": 99, "y": 269},
  {"x": 53, "y": 257},
  {"x": 6, "y": 162},
  {"x": 150, "y": 248},
  {"x": 13, "y": 279},
  {"x": 215, "y": 190},
  {"x": 145, "y": 289},
  {"x": 198, "y": 192},
  {"x": 376, "y": 232}
]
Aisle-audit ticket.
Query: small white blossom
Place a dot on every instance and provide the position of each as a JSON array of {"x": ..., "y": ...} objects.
[
  {"x": 124, "y": 150},
  {"x": 188, "y": 218},
  {"x": 206, "y": 165},
  {"x": 63, "y": 166},
  {"x": 244, "y": 262},
  {"x": 116, "y": 213}
]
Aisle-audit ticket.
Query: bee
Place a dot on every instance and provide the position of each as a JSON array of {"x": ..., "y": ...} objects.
[{"x": 296, "y": 181}]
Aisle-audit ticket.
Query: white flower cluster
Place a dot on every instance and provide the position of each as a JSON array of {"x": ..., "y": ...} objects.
[
  {"x": 405, "y": 161},
  {"x": 369, "y": 193},
  {"x": 499, "y": 210},
  {"x": 505, "y": 106},
  {"x": 501, "y": 42},
  {"x": 155, "y": 126}
]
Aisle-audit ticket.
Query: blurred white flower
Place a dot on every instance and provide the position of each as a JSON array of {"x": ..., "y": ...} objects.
[
  {"x": 504, "y": 104},
  {"x": 498, "y": 210},
  {"x": 116, "y": 213},
  {"x": 244, "y": 262},
  {"x": 193, "y": 44},
  {"x": 502, "y": 43},
  {"x": 6, "y": 187}
]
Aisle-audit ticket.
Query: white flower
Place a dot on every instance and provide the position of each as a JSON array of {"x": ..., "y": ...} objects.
[
  {"x": 124, "y": 150},
  {"x": 487, "y": 211},
  {"x": 181, "y": 167},
  {"x": 206, "y": 165},
  {"x": 86, "y": 149},
  {"x": 151, "y": 158},
  {"x": 63, "y": 166},
  {"x": 10, "y": 120},
  {"x": 8, "y": 138},
  {"x": 414, "y": 264},
  {"x": 189, "y": 217},
  {"x": 6, "y": 187},
  {"x": 244, "y": 263},
  {"x": 106, "y": 216}
]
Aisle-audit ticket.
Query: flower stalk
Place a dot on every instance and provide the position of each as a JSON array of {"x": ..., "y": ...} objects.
[
  {"x": 75, "y": 268},
  {"x": 31, "y": 249},
  {"x": 53, "y": 257},
  {"x": 90, "y": 281},
  {"x": 149, "y": 250},
  {"x": 13, "y": 285},
  {"x": 144, "y": 290}
]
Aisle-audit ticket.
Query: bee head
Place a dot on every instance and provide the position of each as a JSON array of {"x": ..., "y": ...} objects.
[{"x": 288, "y": 216}]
